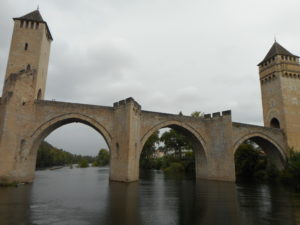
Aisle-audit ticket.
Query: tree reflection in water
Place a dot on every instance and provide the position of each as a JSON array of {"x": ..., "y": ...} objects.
[{"x": 85, "y": 196}]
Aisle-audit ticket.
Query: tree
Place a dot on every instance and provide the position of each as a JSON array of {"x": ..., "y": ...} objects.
[
  {"x": 150, "y": 146},
  {"x": 249, "y": 162},
  {"x": 102, "y": 159},
  {"x": 175, "y": 141},
  {"x": 83, "y": 163},
  {"x": 147, "y": 160},
  {"x": 197, "y": 114},
  {"x": 49, "y": 156}
]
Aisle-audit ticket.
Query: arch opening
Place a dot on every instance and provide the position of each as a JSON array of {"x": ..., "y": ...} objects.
[
  {"x": 257, "y": 157},
  {"x": 174, "y": 148},
  {"x": 274, "y": 123},
  {"x": 67, "y": 130}
]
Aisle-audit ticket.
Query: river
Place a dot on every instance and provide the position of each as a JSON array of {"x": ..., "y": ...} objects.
[{"x": 86, "y": 197}]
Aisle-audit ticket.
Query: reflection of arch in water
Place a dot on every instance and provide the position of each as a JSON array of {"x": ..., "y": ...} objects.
[
  {"x": 274, "y": 152},
  {"x": 46, "y": 128},
  {"x": 194, "y": 137}
]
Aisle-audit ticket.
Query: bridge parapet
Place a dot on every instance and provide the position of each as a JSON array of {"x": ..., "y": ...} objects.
[
  {"x": 217, "y": 114},
  {"x": 67, "y": 104}
]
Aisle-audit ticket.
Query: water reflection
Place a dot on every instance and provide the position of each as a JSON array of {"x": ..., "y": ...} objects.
[
  {"x": 15, "y": 205},
  {"x": 176, "y": 200},
  {"x": 266, "y": 204},
  {"x": 221, "y": 205},
  {"x": 122, "y": 204},
  {"x": 85, "y": 196}
]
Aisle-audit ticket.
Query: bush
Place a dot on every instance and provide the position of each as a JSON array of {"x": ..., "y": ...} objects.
[
  {"x": 291, "y": 173},
  {"x": 249, "y": 162},
  {"x": 272, "y": 172},
  {"x": 83, "y": 163},
  {"x": 102, "y": 159},
  {"x": 174, "y": 167}
]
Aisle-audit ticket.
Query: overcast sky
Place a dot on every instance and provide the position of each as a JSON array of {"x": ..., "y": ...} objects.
[{"x": 169, "y": 55}]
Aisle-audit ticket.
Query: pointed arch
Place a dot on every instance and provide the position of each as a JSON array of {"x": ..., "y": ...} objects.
[
  {"x": 47, "y": 127},
  {"x": 199, "y": 145},
  {"x": 273, "y": 150}
]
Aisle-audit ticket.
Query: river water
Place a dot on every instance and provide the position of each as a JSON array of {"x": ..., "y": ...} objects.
[{"x": 86, "y": 197}]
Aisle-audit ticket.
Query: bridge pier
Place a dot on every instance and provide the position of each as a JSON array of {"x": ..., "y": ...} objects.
[
  {"x": 124, "y": 161},
  {"x": 219, "y": 163}
]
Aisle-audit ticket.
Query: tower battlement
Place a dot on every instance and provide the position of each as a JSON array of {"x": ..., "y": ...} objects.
[{"x": 30, "y": 49}]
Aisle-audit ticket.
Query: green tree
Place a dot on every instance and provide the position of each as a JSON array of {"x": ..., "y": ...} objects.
[
  {"x": 197, "y": 114},
  {"x": 49, "y": 155},
  {"x": 150, "y": 146},
  {"x": 250, "y": 162},
  {"x": 102, "y": 159},
  {"x": 147, "y": 160},
  {"x": 291, "y": 173},
  {"x": 175, "y": 142},
  {"x": 83, "y": 163}
]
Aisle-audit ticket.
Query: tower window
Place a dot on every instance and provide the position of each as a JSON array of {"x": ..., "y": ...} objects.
[
  {"x": 32, "y": 24},
  {"x": 274, "y": 123},
  {"x": 26, "y": 46},
  {"x": 28, "y": 67}
]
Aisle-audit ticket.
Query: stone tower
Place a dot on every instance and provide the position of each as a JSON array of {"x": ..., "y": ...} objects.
[
  {"x": 30, "y": 49},
  {"x": 25, "y": 82},
  {"x": 279, "y": 74}
]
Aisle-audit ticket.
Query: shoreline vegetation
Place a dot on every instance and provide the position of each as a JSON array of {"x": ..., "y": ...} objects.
[
  {"x": 252, "y": 165},
  {"x": 52, "y": 158}
]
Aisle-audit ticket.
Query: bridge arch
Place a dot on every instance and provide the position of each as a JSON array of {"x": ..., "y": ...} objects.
[
  {"x": 273, "y": 150},
  {"x": 52, "y": 124},
  {"x": 197, "y": 141}
]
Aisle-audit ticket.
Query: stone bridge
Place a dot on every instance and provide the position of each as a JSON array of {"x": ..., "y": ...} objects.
[
  {"x": 126, "y": 128},
  {"x": 26, "y": 119}
]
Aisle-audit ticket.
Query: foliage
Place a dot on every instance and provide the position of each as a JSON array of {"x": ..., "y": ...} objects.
[
  {"x": 150, "y": 146},
  {"x": 197, "y": 114},
  {"x": 83, "y": 163},
  {"x": 4, "y": 182},
  {"x": 49, "y": 156},
  {"x": 249, "y": 162},
  {"x": 147, "y": 156},
  {"x": 102, "y": 159},
  {"x": 175, "y": 141},
  {"x": 175, "y": 167},
  {"x": 291, "y": 172}
]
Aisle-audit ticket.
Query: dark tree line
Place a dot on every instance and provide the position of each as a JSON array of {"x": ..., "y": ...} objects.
[{"x": 49, "y": 155}]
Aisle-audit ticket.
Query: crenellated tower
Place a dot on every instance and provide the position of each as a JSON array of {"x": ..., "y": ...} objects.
[
  {"x": 25, "y": 82},
  {"x": 279, "y": 74},
  {"x": 30, "y": 50}
]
